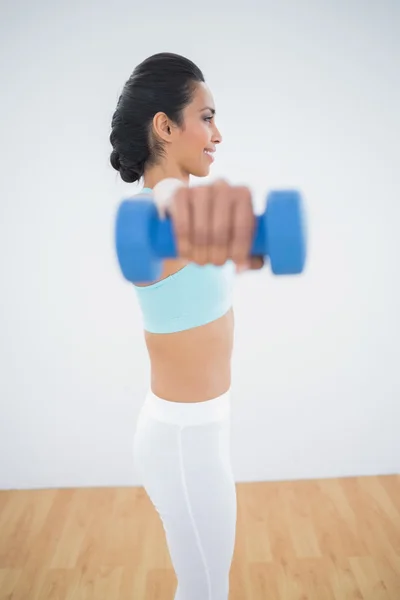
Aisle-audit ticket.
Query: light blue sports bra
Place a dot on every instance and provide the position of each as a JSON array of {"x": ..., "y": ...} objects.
[{"x": 193, "y": 296}]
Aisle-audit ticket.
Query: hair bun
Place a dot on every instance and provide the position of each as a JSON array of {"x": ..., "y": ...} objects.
[
  {"x": 129, "y": 174},
  {"x": 115, "y": 161}
]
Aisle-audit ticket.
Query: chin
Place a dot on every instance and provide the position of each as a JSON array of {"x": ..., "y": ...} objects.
[{"x": 201, "y": 171}]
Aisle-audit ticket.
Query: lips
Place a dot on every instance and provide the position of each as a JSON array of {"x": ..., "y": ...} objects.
[{"x": 210, "y": 153}]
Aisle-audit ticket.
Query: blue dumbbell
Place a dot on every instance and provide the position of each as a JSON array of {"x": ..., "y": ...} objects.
[{"x": 143, "y": 240}]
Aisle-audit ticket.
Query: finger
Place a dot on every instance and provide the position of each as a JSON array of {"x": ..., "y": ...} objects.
[
  {"x": 243, "y": 225},
  {"x": 221, "y": 225},
  {"x": 256, "y": 262},
  {"x": 200, "y": 201},
  {"x": 180, "y": 211}
]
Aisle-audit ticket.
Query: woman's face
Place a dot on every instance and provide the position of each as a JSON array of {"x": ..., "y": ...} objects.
[{"x": 196, "y": 141}]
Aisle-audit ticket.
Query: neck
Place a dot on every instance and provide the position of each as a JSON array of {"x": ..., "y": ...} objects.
[{"x": 159, "y": 172}]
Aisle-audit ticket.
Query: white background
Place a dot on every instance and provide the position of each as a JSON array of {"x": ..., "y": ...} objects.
[{"x": 307, "y": 96}]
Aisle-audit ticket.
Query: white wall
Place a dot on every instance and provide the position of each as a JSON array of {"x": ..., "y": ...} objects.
[{"x": 307, "y": 97}]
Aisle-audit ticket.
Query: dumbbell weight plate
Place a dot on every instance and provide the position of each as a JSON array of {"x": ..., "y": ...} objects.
[
  {"x": 285, "y": 232},
  {"x": 133, "y": 231}
]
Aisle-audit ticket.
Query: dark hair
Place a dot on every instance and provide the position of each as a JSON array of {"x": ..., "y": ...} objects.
[{"x": 161, "y": 83}]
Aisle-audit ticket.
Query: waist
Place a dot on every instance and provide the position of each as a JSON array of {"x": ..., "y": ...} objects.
[{"x": 192, "y": 365}]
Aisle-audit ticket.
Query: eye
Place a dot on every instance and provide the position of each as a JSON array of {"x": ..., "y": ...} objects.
[{"x": 209, "y": 119}]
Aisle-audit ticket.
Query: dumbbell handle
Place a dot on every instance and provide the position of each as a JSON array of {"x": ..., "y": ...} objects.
[{"x": 163, "y": 240}]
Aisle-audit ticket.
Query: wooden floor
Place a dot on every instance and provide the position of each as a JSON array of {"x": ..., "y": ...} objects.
[{"x": 335, "y": 539}]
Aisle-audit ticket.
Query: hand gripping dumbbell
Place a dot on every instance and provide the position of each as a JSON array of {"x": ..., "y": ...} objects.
[{"x": 143, "y": 239}]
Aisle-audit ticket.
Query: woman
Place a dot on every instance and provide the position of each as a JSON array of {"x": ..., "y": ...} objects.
[{"x": 164, "y": 127}]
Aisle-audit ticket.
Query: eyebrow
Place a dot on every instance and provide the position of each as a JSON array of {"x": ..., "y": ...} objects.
[{"x": 208, "y": 108}]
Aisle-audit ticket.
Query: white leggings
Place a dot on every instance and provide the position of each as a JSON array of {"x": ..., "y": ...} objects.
[{"x": 182, "y": 453}]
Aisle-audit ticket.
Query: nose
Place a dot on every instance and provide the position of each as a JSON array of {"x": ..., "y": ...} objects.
[{"x": 217, "y": 137}]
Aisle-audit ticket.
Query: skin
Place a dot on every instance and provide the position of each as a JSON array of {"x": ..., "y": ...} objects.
[{"x": 213, "y": 223}]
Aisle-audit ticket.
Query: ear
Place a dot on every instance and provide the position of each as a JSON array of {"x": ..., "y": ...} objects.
[{"x": 162, "y": 126}]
